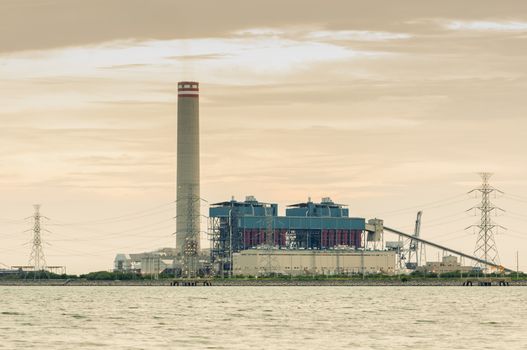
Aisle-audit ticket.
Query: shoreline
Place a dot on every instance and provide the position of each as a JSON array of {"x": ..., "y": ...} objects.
[{"x": 255, "y": 283}]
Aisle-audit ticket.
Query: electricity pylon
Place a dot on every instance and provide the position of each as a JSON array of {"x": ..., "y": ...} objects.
[
  {"x": 486, "y": 248},
  {"x": 37, "y": 259},
  {"x": 269, "y": 239},
  {"x": 192, "y": 247}
]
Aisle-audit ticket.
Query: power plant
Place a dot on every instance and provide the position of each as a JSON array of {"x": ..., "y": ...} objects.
[
  {"x": 240, "y": 226},
  {"x": 237, "y": 227},
  {"x": 251, "y": 238}
]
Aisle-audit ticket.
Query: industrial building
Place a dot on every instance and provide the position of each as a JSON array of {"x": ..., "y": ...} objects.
[
  {"x": 161, "y": 261},
  {"x": 236, "y": 227},
  {"x": 449, "y": 263},
  {"x": 146, "y": 263},
  {"x": 255, "y": 262}
]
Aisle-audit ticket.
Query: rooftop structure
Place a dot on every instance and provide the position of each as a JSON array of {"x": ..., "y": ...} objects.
[{"x": 326, "y": 208}]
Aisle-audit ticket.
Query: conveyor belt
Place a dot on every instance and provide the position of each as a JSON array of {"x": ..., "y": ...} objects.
[{"x": 488, "y": 263}]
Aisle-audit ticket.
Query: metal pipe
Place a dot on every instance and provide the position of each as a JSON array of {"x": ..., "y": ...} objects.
[{"x": 230, "y": 243}]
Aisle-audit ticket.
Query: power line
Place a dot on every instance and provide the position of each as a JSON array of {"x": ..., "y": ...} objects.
[
  {"x": 457, "y": 237},
  {"x": 442, "y": 218},
  {"x": 440, "y": 221},
  {"x": 12, "y": 234},
  {"x": 146, "y": 227},
  {"x": 516, "y": 214},
  {"x": 10, "y": 250},
  {"x": 518, "y": 218},
  {"x": 430, "y": 205},
  {"x": 519, "y": 235},
  {"x": 127, "y": 219},
  {"x": 126, "y": 234},
  {"x": 12, "y": 221},
  {"x": 443, "y": 223},
  {"x": 123, "y": 217},
  {"x": 81, "y": 253},
  {"x": 448, "y": 234},
  {"x": 515, "y": 197},
  {"x": 519, "y": 232}
]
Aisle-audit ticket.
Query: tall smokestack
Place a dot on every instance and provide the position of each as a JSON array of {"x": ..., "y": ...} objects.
[{"x": 188, "y": 192}]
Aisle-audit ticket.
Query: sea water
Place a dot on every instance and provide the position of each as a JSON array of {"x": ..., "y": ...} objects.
[{"x": 263, "y": 318}]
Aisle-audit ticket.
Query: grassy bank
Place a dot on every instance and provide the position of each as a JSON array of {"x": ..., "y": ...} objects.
[
  {"x": 104, "y": 278},
  {"x": 268, "y": 282},
  {"x": 126, "y": 276}
]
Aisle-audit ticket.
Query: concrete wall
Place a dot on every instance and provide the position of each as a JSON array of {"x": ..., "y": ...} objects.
[{"x": 308, "y": 262}]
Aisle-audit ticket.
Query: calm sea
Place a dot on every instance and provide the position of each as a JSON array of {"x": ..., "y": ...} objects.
[{"x": 263, "y": 318}]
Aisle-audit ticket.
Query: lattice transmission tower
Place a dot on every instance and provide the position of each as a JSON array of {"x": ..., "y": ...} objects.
[
  {"x": 37, "y": 259},
  {"x": 486, "y": 248},
  {"x": 192, "y": 237},
  {"x": 269, "y": 240}
]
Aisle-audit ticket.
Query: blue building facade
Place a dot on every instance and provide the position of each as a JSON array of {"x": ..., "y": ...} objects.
[{"x": 250, "y": 224}]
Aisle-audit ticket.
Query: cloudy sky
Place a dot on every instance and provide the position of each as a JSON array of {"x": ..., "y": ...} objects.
[{"x": 387, "y": 106}]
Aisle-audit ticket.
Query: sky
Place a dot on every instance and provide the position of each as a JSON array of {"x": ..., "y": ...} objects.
[{"x": 388, "y": 107}]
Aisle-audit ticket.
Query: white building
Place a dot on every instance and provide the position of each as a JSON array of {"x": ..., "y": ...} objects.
[
  {"x": 448, "y": 264},
  {"x": 147, "y": 263},
  {"x": 256, "y": 262},
  {"x": 122, "y": 262}
]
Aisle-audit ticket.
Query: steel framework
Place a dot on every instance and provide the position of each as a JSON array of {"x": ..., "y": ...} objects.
[
  {"x": 37, "y": 258},
  {"x": 416, "y": 254},
  {"x": 192, "y": 233},
  {"x": 486, "y": 248}
]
